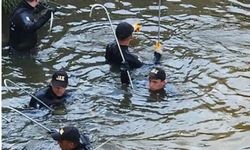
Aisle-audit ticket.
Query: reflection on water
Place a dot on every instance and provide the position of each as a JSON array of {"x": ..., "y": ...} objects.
[{"x": 206, "y": 58}]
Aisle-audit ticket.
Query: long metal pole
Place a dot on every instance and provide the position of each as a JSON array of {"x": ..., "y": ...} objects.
[
  {"x": 6, "y": 85},
  {"x": 29, "y": 118},
  {"x": 159, "y": 21},
  {"x": 5, "y": 119},
  {"x": 103, "y": 143},
  {"x": 123, "y": 59}
]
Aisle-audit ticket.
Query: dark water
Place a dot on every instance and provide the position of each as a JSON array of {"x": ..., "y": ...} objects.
[{"x": 206, "y": 56}]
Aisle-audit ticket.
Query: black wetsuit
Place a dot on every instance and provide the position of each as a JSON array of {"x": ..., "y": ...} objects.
[
  {"x": 23, "y": 27},
  {"x": 157, "y": 96},
  {"x": 47, "y": 96},
  {"x": 113, "y": 56},
  {"x": 84, "y": 143}
]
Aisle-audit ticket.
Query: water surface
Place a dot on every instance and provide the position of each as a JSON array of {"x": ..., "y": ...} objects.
[{"x": 206, "y": 57}]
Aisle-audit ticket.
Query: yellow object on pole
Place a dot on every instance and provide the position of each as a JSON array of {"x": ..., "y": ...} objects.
[
  {"x": 158, "y": 46},
  {"x": 137, "y": 27}
]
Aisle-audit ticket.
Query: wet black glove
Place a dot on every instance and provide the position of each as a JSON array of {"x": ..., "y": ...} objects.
[
  {"x": 124, "y": 66},
  {"x": 48, "y": 12},
  {"x": 52, "y": 9},
  {"x": 124, "y": 75},
  {"x": 42, "y": 20},
  {"x": 157, "y": 58},
  {"x": 40, "y": 7}
]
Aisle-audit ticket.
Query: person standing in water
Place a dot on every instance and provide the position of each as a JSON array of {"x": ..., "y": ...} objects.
[
  {"x": 23, "y": 26},
  {"x": 124, "y": 33}
]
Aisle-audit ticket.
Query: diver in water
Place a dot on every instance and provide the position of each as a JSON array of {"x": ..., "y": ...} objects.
[
  {"x": 69, "y": 138},
  {"x": 55, "y": 94},
  {"x": 124, "y": 33},
  {"x": 157, "y": 76},
  {"x": 23, "y": 26}
]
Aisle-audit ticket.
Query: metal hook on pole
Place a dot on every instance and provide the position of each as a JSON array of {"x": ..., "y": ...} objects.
[
  {"x": 45, "y": 4},
  {"x": 29, "y": 118},
  {"x": 117, "y": 42},
  {"x": 6, "y": 85},
  {"x": 51, "y": 21}
]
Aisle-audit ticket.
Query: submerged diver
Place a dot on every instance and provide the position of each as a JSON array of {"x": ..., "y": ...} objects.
[
  {"x": 69, "y": 138},
  {"x": 157, "y": 79},
  {"x": 23, "y": 26},
  {"x": 124, "y": 32},
  {"x": 156, "y": 85},
  {"x": 53, "y": 95}
]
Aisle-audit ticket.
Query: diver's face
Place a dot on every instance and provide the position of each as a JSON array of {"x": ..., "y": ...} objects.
[
  {"x": 156, "y": 84},
  {"x": 66, "y": 145},
  {"x": 58, "y": 90}
]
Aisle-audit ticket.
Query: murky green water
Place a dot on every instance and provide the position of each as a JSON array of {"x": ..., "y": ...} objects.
[{"x": 206, "y": 57}]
